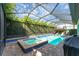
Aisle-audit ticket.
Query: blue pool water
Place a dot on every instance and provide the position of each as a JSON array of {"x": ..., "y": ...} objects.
[
  {"x": 54, "y": 40},
  {"x": 30, "y": 41}
]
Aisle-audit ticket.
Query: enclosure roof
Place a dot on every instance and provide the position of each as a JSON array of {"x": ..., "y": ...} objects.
[{"x": 57, "y": 13}]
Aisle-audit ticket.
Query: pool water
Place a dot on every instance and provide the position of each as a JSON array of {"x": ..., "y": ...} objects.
[
  {"x": 56, "y": 41},
  {"x": 30, "y": 42},
  {"x": 53, "y": 39}
]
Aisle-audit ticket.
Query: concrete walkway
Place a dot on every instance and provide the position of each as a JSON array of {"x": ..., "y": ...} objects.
[{"x": 12, "y": 49}]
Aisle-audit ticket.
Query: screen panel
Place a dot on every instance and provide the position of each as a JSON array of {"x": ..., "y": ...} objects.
[{"x": 1, "y": 30}]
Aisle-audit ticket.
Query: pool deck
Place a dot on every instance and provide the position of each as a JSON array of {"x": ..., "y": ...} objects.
[{"x": 12, "y": 49}]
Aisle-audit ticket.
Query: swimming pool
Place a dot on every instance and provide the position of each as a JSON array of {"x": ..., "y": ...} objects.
[
  {"x": 56, "y": 41},
  {"x": 39, "y": 41},
  {"x": 30, "y": 41},
  {"x": 33, "y": 41},
  {"x": 52, "y": 39}
]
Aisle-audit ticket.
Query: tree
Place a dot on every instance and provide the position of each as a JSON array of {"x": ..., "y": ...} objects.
[{"x": 9, "y": 7}]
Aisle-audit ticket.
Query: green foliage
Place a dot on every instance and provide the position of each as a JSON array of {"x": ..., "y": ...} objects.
[
  {"x": 9, "y": 7},
  {"x": 25, "y": 25},
  {"x": 15, "y": 28}
]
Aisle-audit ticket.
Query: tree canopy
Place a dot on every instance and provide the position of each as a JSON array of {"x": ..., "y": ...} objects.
[{"x": 9, "y": 11}]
